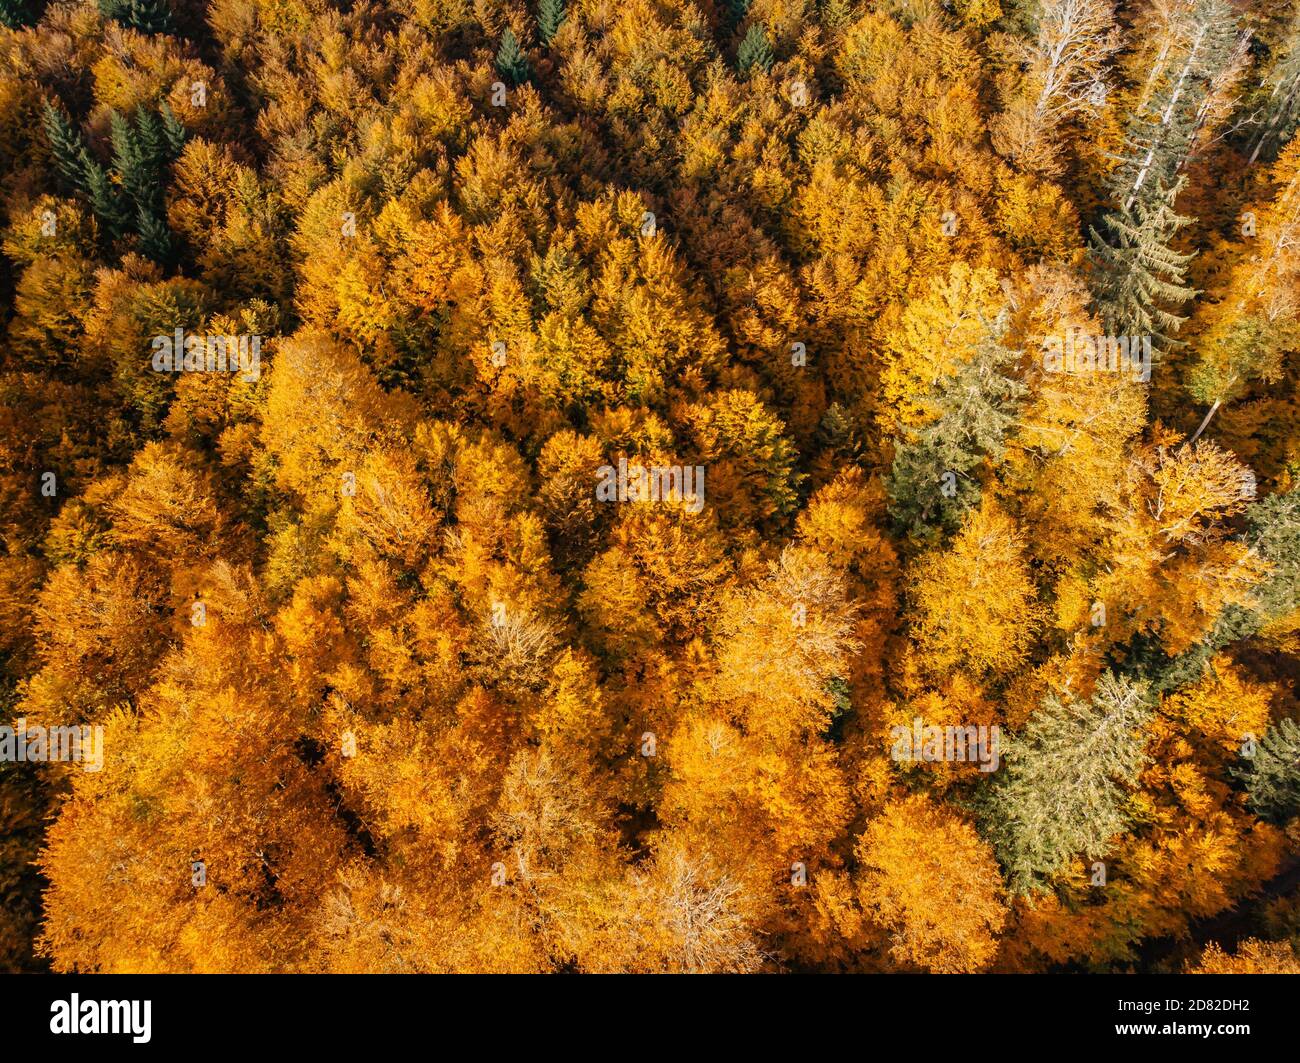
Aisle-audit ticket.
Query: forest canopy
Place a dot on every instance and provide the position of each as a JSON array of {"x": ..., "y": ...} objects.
[{"x": 649, "y": 485}]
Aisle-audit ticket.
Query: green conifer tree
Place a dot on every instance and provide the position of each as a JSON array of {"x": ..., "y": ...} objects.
[
  {"x": 1273, "y": 530},
  {"x": 511, "y": 61},
  {"x": 147, "y": 16},
  {"x": 68, "y": 149},
  {"x": 1137, "y": 275},
  {"x": 1273, "y": 775},
  {"x": 154, "y": 236},
  {"x": 106, "y": 202},
  {"x": 550, "y": 16},
  {"x": 150, "y": 139},
  {"x": 1062, "y": 790},
  {"x": 754, "y": 51},
  {"x": 1159, "y": 135},
  {"x": 173, "y": 131},
  {"x": 139, "y": 155},
  {"x": 137, "y": 178}
]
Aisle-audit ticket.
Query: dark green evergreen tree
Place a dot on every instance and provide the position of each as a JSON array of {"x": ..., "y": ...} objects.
[
  {"x": 754, "y": 51},
  {"x": 1136, "y": 273},
  {"x": 66, "y": 146},
  {"x": 154, "y": 236},
  {"x": 131, "y": 196},
  {"x": 138, "y": 179},
  {"x": 107, "y": 203},
  {"x": 1273, "y": 775},
  {"x": 550, "y": 16},
  {"x": 147, "y": 16},
  {"x": 511, "y": 61},
  {"x": 152, "y": 144},
  {"x": 173, "y": 131},
  {"x": 140, "y": 153},
  {"x": 1062, "y": 791},
  {"x": 931, "y": 481}
]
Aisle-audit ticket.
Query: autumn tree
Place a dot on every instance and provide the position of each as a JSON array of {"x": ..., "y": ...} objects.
[{"x": 931, "y": 882}]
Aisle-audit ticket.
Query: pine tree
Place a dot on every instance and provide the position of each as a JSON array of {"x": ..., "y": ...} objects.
[
  {"x": 1061, "y": 792},
  {"x": 155, "y": 238},
  {"x": 106, "y": 202},
  {"x": 1136, "y": 272},
  {"x": 754, "y": 51},
  {"x": 69, "y": 151},
  {"x": 550, "y": 16},
  {"x": 138, "y": 180},
  {"x": 139, "y": 155},
  {"x": 147, "y": 16},
  {"x": 1273, "y": 778},
  {"x": 930, "y": 479},
  {"x": 173, "y": 130},
  {"x": 150, "y": 139},
  {"x": 511, "y": 61}
]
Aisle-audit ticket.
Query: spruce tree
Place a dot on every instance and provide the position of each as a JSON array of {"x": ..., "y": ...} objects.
[
  {"x": 137, "y": 177},
  {"x": 511, "y": 61},
  {"x": 153, "y": 146},
  {"x": 1273, "y": 777},
  {"x": 754, "y": 51},
  {"x": 147, "y": 16},
  {"x": 930, "y": 481},
  {"x": 1062, "y": 788},
  {"x": 173, "y": 131},
  {"x": 154, "y": 236},
  {"x": 140, "y": 152},
  {"x": 66, "y": 147},
  {"x": 550, "y": 16},
  {"x": 107, "y": 204},
  {"x": 1137, "y": 275}
]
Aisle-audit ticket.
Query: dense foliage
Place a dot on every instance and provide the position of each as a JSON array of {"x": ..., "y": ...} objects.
[{"x": 394, "y": 669}]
